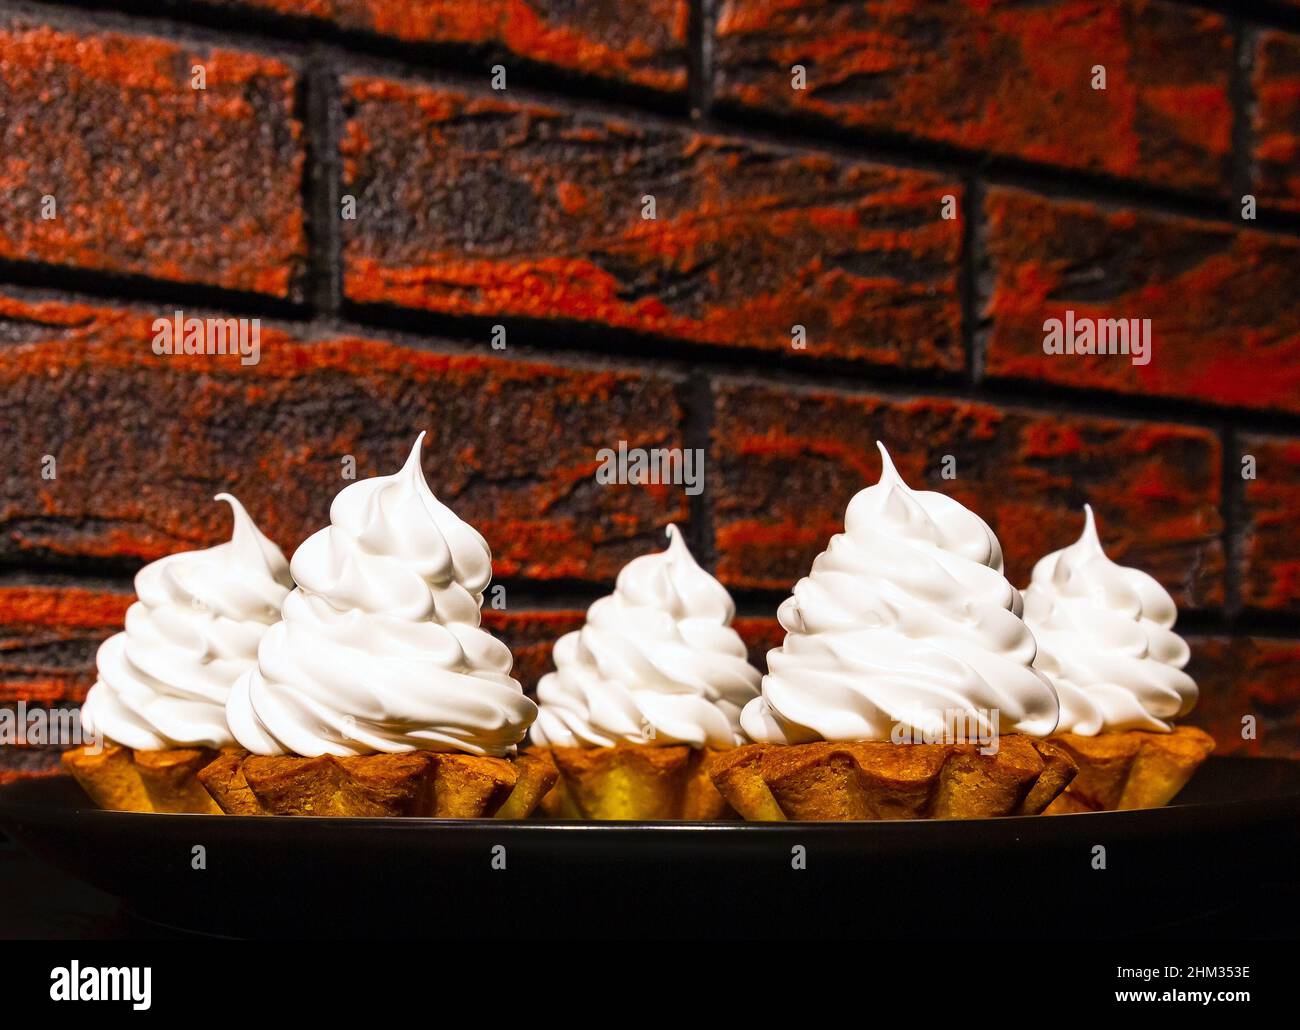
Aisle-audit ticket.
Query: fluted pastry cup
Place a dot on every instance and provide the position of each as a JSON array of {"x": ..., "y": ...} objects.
[
  {"x": 633, "y": 782},
  {"x": 645, "y": 696},
  {"x": 1129, "y": 769},
  {"x": 843, "y": 782},
  {"x": 123, "y": 779},
  {"x": 416, "y": 783}
]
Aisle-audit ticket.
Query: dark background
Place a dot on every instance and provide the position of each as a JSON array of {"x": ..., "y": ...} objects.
[{"x": 774, "y": 207}]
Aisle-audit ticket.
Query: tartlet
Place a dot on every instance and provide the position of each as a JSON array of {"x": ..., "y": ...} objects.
[
  {"x": 841, "y": 781},
  {"x": 379, "y": 693},
  {"x": 1106, "y": 641},
  {"x": 645, "y": 696},
  {"x": 904, "y": 688},
  {"x": 634, "y": 782},
  {"x": 1130, "y": 769},
  {"x": 156, "y": 714}
]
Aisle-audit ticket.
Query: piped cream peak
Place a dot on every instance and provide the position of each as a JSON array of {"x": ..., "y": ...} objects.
[
  {"x": 245, "y": 537},
  {"x": 1089, "y": 535},
  {"x": 413, "y": 459},
  {"x": 887, "y": 469},
  {"x": 1087, "y": 547},
  {"x": 241, "y": 514},
  {"x": 893, "y": 500},
  {"x": 413, "y": 481},
  {"x": 382, "y": 648}
]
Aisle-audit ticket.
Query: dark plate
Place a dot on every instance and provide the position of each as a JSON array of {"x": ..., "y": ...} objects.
[{"x": 1224, "y": 855}]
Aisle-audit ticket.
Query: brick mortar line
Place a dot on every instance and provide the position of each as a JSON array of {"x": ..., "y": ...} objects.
[
  {"x": 1241, "y": 95},
  {"x": 321, "y": 185},
  {"x": 700, "y": 56},
  {"x": 555, "y": 344},
  {"x": 1232, "y": 504},
  {"x": 795, "y": 132},
  {"x": 127, "y": 289},
  {"x": 697, "y": 433},
  {"x": 35, "y": 574},
  {"x": 973, "y": 256},
  {"x": 1267, "y": 15},
  {"x": 677, "y": 359}
]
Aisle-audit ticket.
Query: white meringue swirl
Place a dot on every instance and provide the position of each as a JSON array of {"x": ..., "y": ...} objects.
[
  {"x": 905, "y": 619},
  {"x": 656, "y": 663},
  {"x": 194, "y": 631},
  {"x": 381, "y": 649},
  {"x": 1105, "y": 640}
]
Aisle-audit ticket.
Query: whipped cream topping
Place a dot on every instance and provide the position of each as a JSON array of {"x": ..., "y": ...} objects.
[
  {"x": 1105, "y": 640},
  {"x": 195, "y": 629},
  {"x": 905, "y": 623},
  {"x": 656, "y": 663},
  {"x": 381, "y": 648}
]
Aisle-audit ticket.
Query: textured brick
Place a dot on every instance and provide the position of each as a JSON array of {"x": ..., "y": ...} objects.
[
  {"x": 477, "y": 205},
  {"x": 1248, "y": 676},
  {"x": 1269, "y": 546},
  {"x": 512, "y": 445},
  {"x": 151, "y": 177},
  {"x": 48, "y": 639},
  {"x": 787, "y": 462},
  {"x": 638, "y": 42},
  {"x": 1275, "y": 172},
  {"x": 18, "y": 762},
  {"x": 1224, "y": 325},
  {"x": 1001, "y": 76},
  {"x": 531, "y": 636}
]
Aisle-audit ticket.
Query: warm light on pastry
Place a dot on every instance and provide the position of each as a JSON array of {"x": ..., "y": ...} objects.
[
  {"x": 380, "y": 693},
  {"x": 159, "y": 702},
  {"x": 1106, "y": 640},
  {"x": 905, "y": 629},
  {"x": 645, "y": 695}
]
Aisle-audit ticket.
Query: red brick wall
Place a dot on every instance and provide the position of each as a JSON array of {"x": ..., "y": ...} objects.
[{"x": 522, "y": 207}]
